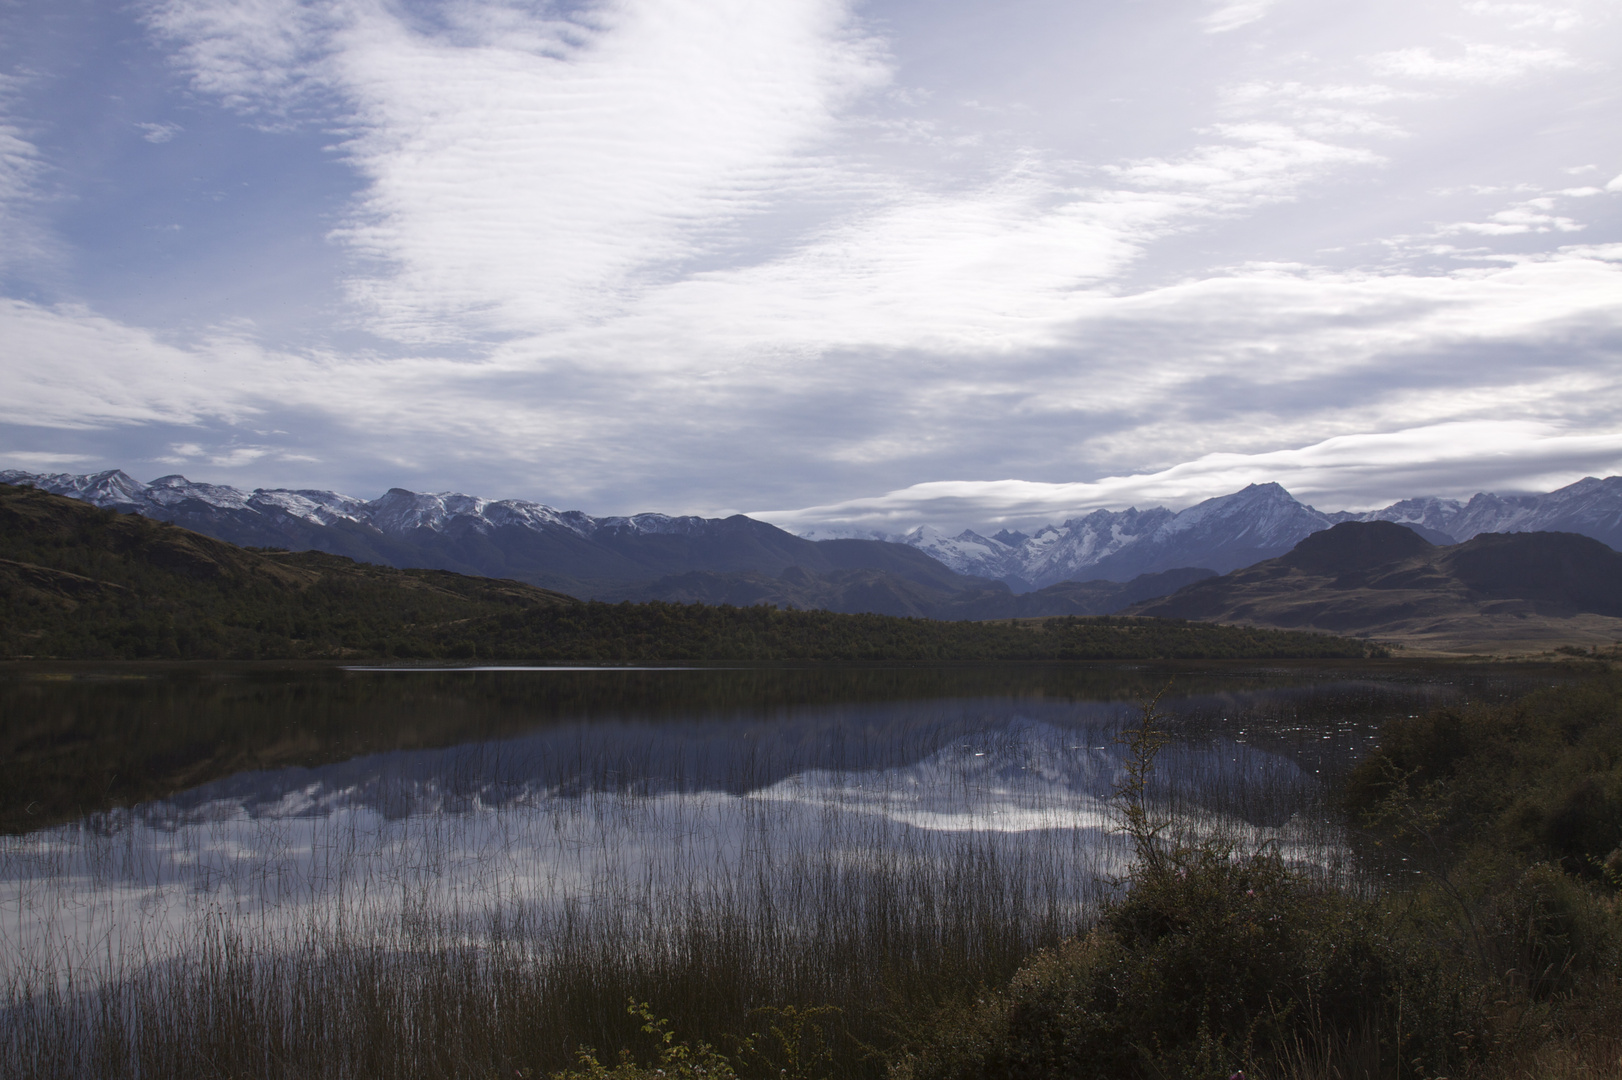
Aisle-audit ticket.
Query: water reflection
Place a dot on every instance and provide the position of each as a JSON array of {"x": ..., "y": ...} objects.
[{"x": 624, "y": 825}]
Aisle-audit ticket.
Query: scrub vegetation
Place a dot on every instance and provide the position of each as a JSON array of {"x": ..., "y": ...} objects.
[{"x": 1485, "y": 939}]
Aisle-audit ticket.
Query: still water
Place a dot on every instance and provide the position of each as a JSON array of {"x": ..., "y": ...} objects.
[{"x": 556, "y": 806}]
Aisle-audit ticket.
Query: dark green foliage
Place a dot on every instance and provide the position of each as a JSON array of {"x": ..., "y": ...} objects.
[
  {"x": 1213, "y": 961},
  {"x": 658, "y": 632},
  {"x": 81, "y": 583},
  {"x": 1495, "y": 830},
  {"x": 1209, "y": 965},
  {"x": 1507, "y": 821},
  {"x": 1540, "y": 777}
]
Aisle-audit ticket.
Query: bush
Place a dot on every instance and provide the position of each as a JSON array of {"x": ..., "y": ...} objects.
[
  {"x": 1212, "y": 963},
  {"x": 794, "y": 1046}
]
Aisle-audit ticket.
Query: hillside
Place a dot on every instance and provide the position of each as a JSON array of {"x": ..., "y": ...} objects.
[
  {"x": 734, "y": 560},
  {"x": 566, "y": 550},
  {"x": 884, "y": 593},
  {"x": 1495, "y": 592},
  {"x": 78, "y": 582}
]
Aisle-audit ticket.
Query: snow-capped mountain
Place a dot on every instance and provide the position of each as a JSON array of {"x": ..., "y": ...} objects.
[
  {"x": 562, "y": 549},
  {"x": 576, "y": 552},
  {"x": 1590, "y": 507},
  {"x": 1260, "y": 522},
  {"x": 1221, "y": 534},
  {"x": 396, "y": 513}
]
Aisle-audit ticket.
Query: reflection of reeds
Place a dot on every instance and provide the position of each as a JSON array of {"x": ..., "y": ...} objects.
[{"x": 497, "y": 938}]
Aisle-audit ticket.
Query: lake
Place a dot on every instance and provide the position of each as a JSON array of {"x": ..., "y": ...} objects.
[{"x": 454, "y": 872}]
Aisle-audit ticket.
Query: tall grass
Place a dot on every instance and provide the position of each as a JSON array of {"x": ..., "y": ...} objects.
[{"x": 460, "y": 927}]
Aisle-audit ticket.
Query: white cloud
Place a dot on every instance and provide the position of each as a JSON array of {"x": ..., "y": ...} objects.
[
  {"x": 523, "y": 175},
  {"x": 1554, "y": 17},
  {"x": 1432, "y": 459},
  {"x": 47, "y": 460},
  {"x": 539, "y": 180},
  {"x": 701, "y": 248},
  {"x": 1272, "y": 356},
  {"x": 160, "y": 132},
  {"x": 1526, "y": 218},
  {"x": 1474, "y": 63},
  {"x": 261, "y": 57},
  {"x": 1232, "y": 14},
  {"x": 1529, "y": 216},
  {"x": 1257, "y": 162},
  {"x": 1002, "y": 268},
  {"x": 67, "y": 367},
  {"x": 23, "y": 243}
]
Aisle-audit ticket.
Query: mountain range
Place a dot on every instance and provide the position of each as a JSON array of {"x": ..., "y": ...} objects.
[
  {"x": 643, "y": 557},
  {"x": 1259, "y": 522},
  {"x": 1381, "y": 579},
  {"x": 81, "y": 583},
  {"x": 1117, "y": 554}
]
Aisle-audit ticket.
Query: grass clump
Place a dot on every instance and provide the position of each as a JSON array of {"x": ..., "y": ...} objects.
[{"x": 787, "y": 1043}]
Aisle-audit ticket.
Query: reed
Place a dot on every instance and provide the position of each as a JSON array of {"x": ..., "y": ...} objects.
[{"x": 462, "y": 931}]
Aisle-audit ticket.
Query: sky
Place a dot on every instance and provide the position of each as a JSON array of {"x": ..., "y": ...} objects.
[{"x": 829, "y": 263}]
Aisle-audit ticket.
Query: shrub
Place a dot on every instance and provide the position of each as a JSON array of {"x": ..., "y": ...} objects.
[
  {"x": 1214, "y": 961},
  {"x": 1211, "y": 964}
]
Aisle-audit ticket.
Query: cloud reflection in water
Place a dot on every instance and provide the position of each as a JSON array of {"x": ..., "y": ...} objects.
[{"x": 632, "y": 824}]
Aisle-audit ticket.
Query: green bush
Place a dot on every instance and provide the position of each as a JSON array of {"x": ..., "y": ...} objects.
[
  {"x": 794, "y": 1045},
  {"x": 1211, "y": 964}
]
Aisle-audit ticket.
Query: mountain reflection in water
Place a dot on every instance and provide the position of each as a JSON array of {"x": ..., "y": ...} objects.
[{"x": 635, "y": 823}]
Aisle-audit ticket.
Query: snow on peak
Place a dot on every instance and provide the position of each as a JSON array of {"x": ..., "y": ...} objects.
[
  {"x": 1260, "y": 517},
  {"x": 176, "y": 489}
]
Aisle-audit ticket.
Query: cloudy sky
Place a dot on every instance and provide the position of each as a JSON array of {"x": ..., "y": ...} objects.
[{"x": 957, "y": 261}]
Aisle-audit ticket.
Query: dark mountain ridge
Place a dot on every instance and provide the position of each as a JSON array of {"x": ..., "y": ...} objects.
[
  {"x": 1381, "y": 578},
  {"x": 867, "y": 590}
]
